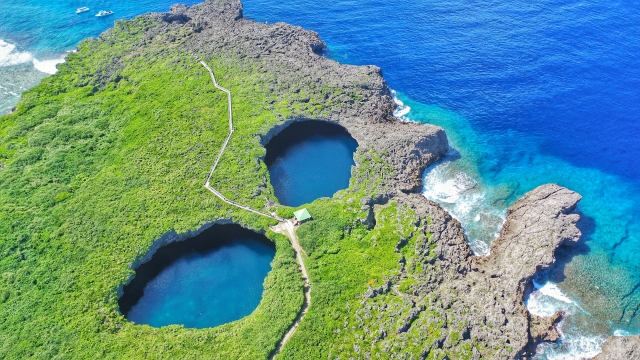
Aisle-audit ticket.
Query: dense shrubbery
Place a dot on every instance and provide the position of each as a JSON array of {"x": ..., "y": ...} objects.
[
  {"x": 98, "y": 162},
  {"x": 285, "y": 212}
]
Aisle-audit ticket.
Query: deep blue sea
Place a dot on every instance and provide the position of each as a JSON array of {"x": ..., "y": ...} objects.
[
  {"x": 529, "y": 92},
  {"x": 209, "y": 280},
  {"x": 309, "y": 160}
]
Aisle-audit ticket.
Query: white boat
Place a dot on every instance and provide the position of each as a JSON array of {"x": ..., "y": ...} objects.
[
  {"x": 82, "y": 9},
  {"x": 104, "y": 13}
]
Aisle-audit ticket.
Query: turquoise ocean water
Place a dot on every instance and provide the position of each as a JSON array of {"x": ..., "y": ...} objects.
[{"x": 529, "y": 93}]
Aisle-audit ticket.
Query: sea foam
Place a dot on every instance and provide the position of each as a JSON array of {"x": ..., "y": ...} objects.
[
  {"x": 47, "y": 66},
  {"x": 9, "y": 56},
  {"x": 467, "y": 200},
  {"x": 449, "y": 182},
  {"x": 574, "y": 347},
  {"x": 402, "y": 110},
  {"x": 547, "y": 299},
  {"x": 550, "y": 289}
]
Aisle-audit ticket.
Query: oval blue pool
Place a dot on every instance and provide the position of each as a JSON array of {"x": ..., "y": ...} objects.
[
  {"x": 211, "y": 279},
  {"x": 309, "y": 160}
]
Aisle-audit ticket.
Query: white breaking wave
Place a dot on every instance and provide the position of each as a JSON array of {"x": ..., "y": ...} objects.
[
  {"x": 10, "y": 57},
  {"x": 454, "y": 190},
  {"x": 466, "y": 200},
  {"x": 552, "y": 290},
  {"x": 402, "y": 110},
  {"x": 547, "y": 299},
  {"x": 482, "y": 211},
  {"x": 622, "y": 333},
  {"x": 47, "y": 66},
  {"x": 575, "y": 347},
  {"x": 449, "y": 190}
]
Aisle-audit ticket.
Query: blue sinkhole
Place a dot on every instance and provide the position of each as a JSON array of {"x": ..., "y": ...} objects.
[
  {"x": 309, "y": 160},
  {"x": 208, "y": 280}
]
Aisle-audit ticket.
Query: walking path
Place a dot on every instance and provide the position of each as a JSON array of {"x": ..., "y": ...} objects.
[
  {"x": 287, "y": 228},
  {"x": 284, "y": 226},
  {"x": 207, "y": 183}
]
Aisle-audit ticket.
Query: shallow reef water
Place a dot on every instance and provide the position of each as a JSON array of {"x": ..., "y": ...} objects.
[
  {"x": 594, "y": 287},
  {"x": 529, "y": 93}
]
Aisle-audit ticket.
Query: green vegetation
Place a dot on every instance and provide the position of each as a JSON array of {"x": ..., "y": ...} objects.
[
  {"x": 111, "y": 153},
  {"x": 98, "y": 162},
  {"x": 361, "y": 294},
  {"x": 285, "y": 212}
]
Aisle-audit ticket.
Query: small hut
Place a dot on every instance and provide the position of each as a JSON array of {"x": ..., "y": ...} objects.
[{"x": 301, "y": 216}]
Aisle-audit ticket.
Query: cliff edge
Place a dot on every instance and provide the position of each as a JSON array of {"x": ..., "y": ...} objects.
[
  {"x": 478, "y": 300},
  {"x": 109, "y": 155}
]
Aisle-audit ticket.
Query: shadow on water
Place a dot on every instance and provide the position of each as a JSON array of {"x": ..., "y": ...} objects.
[
  {"x": 309, "y": 160},
  {"x": 566, "y": 252},
  {"x": 219, "y": 273},
  {"x": 299, "y": 133}
]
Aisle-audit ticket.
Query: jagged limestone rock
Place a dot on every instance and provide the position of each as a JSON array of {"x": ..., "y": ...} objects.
[{"x": 619, "y": 348}]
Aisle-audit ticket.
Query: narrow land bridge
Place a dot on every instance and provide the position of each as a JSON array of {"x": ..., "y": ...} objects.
[{"x": 285, "y": 227}]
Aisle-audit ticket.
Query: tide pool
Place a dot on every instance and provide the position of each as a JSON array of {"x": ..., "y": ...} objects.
[{"x": 205, "y": 281}]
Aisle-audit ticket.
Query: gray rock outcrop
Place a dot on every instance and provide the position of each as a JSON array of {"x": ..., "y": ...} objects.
[
  {"x": 535, "y": 226},
  {"x": 479, "y": 299},
  {"x": 619, "y": 348}
]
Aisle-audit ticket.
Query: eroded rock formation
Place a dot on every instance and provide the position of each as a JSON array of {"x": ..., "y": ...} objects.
[
  {"x": 290, "y": 57},
  {"x": 480, "y": 299}
]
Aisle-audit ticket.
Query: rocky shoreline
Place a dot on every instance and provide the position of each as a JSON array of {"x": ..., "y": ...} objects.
[
  {"x": 620, "y": 347},
  {"x": 485, "y": 293},
  {"x": 290, "y": 54},
  {"x": 466, "y": 306}
]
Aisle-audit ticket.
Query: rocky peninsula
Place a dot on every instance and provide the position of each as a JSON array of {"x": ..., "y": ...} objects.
[{"x": 391, "y": 272}]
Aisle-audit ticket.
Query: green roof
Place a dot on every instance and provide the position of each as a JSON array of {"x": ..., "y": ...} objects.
[{"x": 302, "y": 214}]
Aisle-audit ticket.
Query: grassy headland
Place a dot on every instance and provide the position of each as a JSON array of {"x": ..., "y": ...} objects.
[{"x": 108, "y": 155}]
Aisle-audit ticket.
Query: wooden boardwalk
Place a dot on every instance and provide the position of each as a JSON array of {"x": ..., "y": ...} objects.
[{"x": 284, "y": 226}]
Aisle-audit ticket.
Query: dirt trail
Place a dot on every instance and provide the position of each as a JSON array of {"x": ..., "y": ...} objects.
[{"x": 287, "y": 228}]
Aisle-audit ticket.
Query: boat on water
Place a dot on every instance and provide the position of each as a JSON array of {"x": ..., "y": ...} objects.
[
  {"x": 82, "y": 9},
  {"x": 104, "y": 13}
]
